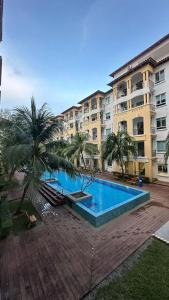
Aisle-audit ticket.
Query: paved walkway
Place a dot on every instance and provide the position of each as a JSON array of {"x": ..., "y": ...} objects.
[
  {"x": 66, "y": 256},
  {"x": 163, "y": 233}
]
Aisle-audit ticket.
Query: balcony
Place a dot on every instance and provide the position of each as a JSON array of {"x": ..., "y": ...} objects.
[
  {"x": 122, "y": 107},
  {"x": 93, "y": 107},
  {"x": 138, "y": 101},
  {"x": 138, "y": 126},
  {"x": 123, "y": 126},
  {"x": 86, "y": 110},
  {"x": 138, "y": 131},
  {"x": 137, "y": 86},
  {"x": 122, "y": 90}
]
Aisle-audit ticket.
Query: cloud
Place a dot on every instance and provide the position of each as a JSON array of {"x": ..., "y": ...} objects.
[{"x": 17, "y": 87}]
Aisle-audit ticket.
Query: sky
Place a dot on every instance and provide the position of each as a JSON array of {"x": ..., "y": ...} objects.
[{"x": 60, "y": 51}]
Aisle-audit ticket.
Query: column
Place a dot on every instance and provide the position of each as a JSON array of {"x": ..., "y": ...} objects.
[
  {"x": 145, "y": 99},
  {"x": 128, "y": 86}
]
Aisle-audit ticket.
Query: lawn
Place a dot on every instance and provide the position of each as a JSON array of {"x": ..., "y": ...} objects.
[
  {"x": 20, "y": 223},
  {"x": 147, "y": 280}
]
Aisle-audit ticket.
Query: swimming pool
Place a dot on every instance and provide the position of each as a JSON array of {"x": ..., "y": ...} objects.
[{"x": 108, "y": 201}]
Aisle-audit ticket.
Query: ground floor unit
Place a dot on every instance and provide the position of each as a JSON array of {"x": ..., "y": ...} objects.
[{"x": 154, "y": 168}]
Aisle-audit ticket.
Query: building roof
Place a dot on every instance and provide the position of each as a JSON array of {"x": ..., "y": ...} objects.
[
  {"x": 162, "y": 61},
  {"x": 108, "y": 92},
  {"x": 163, "y": 39},
  {"x": 149, "y": 61},
  {"x": 59, "y": 116},
  {"x": 91, "y": 95},
  {"x": 70, "y": 108}
]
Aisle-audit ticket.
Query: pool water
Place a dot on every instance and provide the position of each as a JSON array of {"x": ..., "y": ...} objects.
[{"x": 106, "y": 195}]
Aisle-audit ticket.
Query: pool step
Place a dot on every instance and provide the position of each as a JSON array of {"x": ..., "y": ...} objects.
[{"x": 51, "y": 195}]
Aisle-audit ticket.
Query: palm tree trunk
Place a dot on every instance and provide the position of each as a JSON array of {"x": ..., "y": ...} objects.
[
  {"x": 122, "y": 167},
  {"x": 23, "y": 197},
  {"x": 83, "y": 160}
]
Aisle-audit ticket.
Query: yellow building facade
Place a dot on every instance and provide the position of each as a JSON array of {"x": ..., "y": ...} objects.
[{"x": 134, "y": 112}]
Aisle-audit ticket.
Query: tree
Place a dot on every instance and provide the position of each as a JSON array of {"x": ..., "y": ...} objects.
[
  {"x": 79, "y": 146},
  {"x": 118, "y": 147},
  {"x": 27, "y": 143}
]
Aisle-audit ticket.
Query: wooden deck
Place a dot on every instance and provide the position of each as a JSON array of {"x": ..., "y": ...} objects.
[{"x": 66, "y": 256}]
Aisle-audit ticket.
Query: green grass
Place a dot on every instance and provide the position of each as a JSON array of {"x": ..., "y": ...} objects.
[
  {"x": 147, "y": 280},
  {"x": 20, "y": 222}
]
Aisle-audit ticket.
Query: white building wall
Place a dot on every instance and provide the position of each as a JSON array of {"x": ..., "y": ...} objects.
[
  {"x": 161, "y": 111},
  {"x": 108, "y": 124}
]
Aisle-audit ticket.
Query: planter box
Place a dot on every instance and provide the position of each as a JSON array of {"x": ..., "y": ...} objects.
[{"x": 78, "y": 196}]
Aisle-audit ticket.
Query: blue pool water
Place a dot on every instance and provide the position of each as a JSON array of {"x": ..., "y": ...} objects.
[{"x": 105, "y": 195}]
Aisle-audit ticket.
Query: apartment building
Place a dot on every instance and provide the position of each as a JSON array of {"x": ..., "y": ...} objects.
[
  {"x": 140, "y": 100},
  {"x": 71, "y": 121},
  {"x": 137, "y": 102}
]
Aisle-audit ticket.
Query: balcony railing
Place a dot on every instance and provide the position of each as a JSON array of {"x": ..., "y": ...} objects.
[
  {"x": 136, "y": 104},
  {"x": 121, "y": 93},
  {"x": 140, "y": 153},
  {"x": 137, "y": 86},
  {"x": 138, "y": 131}
]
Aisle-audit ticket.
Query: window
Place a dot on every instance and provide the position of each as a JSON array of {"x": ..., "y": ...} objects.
[
  {"x": 94, "y": 117},
  {"x": 161, "y": 99},
  {"x": 108, "y": 116},
  {"x": 140, "y": 149},
  {"x": 71, "y": 125},
  {"x": 159, "y": 76},
  {"x": 163, "y": 168},
  {"x": 108, "y": 131},
  {"x": 161, "y": 123},
  {"x": 161, "y": 146},
  {"x": 123, "y": 106},
  {"x": 107, "y": 100},
  {"x": 94, "y": 133},
  {"x": 86, "y": 107},
  {"x": 93, "y": 104},
  {"x": 71, "y": 115},
  {"x": 66, "y": 118}
]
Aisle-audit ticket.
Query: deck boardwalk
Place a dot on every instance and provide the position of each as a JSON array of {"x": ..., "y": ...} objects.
[{"x": 66, "y": 257}]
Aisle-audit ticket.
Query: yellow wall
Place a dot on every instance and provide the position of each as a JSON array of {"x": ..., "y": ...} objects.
[{"x": 145, "y": 111}]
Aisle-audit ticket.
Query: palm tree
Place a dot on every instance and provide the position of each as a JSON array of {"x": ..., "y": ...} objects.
[
  {"x": 117, "y": 147},
  {"x": 79, "y": 146},
  {"x": 29, "y": 144}
]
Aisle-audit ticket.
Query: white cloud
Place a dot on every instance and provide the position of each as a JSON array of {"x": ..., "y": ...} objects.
[{"x": 17, "y": 88}]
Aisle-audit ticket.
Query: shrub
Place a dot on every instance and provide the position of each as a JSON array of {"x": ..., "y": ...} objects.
[
  {"x": 5, "y": 219},
  {"x": 146, "y": 179}
]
